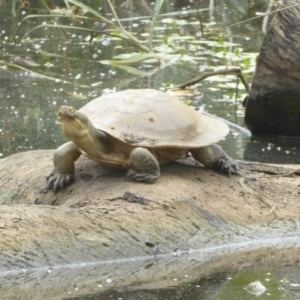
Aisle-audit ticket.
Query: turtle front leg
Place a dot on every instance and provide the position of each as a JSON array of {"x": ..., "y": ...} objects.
[
  {"x": 214, "y": 157},
  {"x": 145, "y": 166},
  {"x": 63, "y": 173}
]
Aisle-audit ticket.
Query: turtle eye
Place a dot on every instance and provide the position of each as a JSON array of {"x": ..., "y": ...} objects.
[{"x": 72, "y": 110}]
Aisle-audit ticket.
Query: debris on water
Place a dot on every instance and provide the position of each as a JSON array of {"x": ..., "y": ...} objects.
[
  {"x": 26, "y": 62},
  {"x": 295, "y": 285},
  {"x": 284, "y": 280},
  {"x": 106, "y": 42},
  {"x": 256, "y": 288}
]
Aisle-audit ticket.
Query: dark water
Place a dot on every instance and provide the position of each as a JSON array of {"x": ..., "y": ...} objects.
[{"x": 77, "y": 70}]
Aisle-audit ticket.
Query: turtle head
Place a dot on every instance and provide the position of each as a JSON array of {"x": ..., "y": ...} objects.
[{"x": 74, "y": 123}]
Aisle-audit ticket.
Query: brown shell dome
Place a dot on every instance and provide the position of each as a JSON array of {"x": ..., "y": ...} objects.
[{"x": 151, "y": 118}]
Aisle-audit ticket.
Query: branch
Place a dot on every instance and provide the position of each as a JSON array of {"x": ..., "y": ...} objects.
[{"x": 236, "y": 71}]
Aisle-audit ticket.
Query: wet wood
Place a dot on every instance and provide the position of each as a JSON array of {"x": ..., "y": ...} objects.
[
  {"x": 273, "y": 105},
  {"x": 103, "y": 217}
]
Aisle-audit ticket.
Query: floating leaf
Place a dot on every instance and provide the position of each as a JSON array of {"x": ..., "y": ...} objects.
[
  {"x": 78, "y": 96},
  {"x": 247, "y": 62},
  {"x": 130, "y": 58},
  {"x": 130, "y": 69},
  {"x": 26, "y": 62}
]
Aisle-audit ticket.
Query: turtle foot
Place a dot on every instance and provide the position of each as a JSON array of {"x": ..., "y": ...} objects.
[
  {"x": 58, "y": 181},
  {"x": 135, "y": 175},
  {"x": 226, "y": 165}
]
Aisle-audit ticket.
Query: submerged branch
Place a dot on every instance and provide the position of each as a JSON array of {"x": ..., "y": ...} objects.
[
  {"x": 44, "y": 16},
  {"x": 19, "y": 68},
  {"x": 125, "y": 32},
  {"x": 263, "y": 15},
  {"x": 236, "y": 71},
  {"x": 158, "y": 5},
  {"x": 200, "y": 19}
]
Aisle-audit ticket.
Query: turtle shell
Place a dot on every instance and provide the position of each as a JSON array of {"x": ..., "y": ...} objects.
[{"x": 153, "y": 119}]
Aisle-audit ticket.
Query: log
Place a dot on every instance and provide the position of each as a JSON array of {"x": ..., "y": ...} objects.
[
  {"x": 101, "y": 217},
  {"x": 273, "y": 106}
]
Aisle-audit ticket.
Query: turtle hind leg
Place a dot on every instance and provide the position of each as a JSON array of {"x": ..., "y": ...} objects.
[
  {"x": 214, "y": 157},
  {"x": 145, "y": 166}
]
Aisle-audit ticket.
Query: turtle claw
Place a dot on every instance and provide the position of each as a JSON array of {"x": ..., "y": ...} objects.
[
  {"x": 135, "y": 175},
  {"x": 226, "y": 165},
  {"x": 58, "y": 181},
  {"x": 130, "y": 174}
]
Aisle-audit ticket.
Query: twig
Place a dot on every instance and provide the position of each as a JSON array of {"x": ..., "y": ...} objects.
[
  {"x": 200, "y": 18},
  {"x": 56, "y": 19},
  {"x": 263, "y": 15},
  {"x": 124, "y": 31},
  {"x": 265, "y": 200},
  {"x": 236, "y": 71},
  {"x": 261, "y": 198},
  {"x": 158, "y": 5},
  {"x": 236, "y": 90},
  {"x": 266, "y": 17}
]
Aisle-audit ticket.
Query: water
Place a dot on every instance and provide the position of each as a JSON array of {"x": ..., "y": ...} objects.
[
  {"x": 220, "y": 272},
  {"x": 78, "y": 70}
]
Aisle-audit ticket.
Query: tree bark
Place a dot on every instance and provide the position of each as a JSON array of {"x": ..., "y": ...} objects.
[
  {"x": 102, "y": 217},
  {"x": 273, "y": 106}
]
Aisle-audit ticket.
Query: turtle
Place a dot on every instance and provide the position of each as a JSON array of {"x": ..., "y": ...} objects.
[{"x": 137, "y": 130}]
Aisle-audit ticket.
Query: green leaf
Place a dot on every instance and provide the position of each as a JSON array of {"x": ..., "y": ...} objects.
[
  {"x": 221, "y": 39},
  {"x": 131, "y": 58},
  {"x": 247, "y": 62},
  {"x": 130, "y": 69}
]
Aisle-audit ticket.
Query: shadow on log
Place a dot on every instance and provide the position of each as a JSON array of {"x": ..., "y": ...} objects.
[
  {"x": 273, "y": 106},
  {"x": 101, "y": 217}
]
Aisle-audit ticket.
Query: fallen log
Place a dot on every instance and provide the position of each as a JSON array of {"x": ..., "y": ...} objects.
[
  {"x": 273, "y": 104},
  {"x": 102, "y": 217}
]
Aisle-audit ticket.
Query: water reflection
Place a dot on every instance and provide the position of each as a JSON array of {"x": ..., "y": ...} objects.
[
  {"x": 214, "y": 273},
  {"x": 225, "y": 285}
]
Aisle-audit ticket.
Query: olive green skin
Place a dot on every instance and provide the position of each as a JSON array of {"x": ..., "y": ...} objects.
[{"x": 137, "y": 130}]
